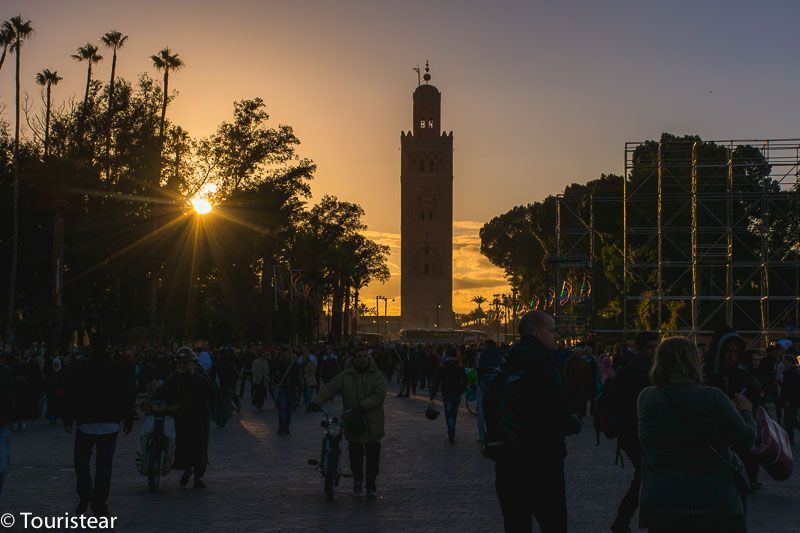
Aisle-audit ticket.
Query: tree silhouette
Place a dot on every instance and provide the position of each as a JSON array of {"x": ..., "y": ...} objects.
[
  {"x": 113, "y": 40},
  {"x": 20, "y": 30},
  {"x": 165, "y": 61},
  {"x": 6, "y": 40},
  {"x": 47, "y": 78},
  {"x": 88, "y": 53},
  {"x": 479, "y": 301}
]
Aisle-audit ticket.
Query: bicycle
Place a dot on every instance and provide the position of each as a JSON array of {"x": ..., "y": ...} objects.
[
  {"x": 331, "y": 450},
  {"x": 158, "y": 443}
]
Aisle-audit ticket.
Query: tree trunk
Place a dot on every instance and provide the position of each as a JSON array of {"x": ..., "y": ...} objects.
[
  {"x": 346, "y": 311},
  {"x": 267, "y": 298},
  {"x": 336, "y": 312},
  {"x": 110, "y": 112},
  {"x": 88, "y": 83},
  {"x": 58, "y": 268},
  {"x": 12, "y": 277},
  {"x": 47, "y": 122},
  {"x": 355, "y": 313},
  {"x": 3, "y": 57}
]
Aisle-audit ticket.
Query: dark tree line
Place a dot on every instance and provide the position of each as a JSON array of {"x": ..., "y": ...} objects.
[
  {"x": 521, "y": 240},
  {"x": 96, "y": 228}
]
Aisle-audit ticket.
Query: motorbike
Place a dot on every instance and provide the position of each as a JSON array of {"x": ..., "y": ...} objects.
[
  {"x": 331, "y": 450},
  {"x": 157, "y": 440}
]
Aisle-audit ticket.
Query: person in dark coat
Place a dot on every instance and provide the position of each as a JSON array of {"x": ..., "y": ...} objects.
[
  {"x": 287, "y": 376},
  {"x": 452, "y": 379},
  {"x": 99, "y": 396},
  {"x": 411, "y": 362},
  {"x": 726, "y": 371},
  {"x": 191, "y": 391},
  {"x": 28, "y": 389},
  {"x": 580, "y": 383},
  {"x": 226, "y": 374},
  {"x": 489, "y": 363},
  {"x": 529, "y": 479},
  {"x": 623, "y": 395},
  {"x": 688, "y": 430}
]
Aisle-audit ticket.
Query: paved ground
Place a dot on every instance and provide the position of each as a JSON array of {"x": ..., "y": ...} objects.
[{"x": 260, "y": 481}]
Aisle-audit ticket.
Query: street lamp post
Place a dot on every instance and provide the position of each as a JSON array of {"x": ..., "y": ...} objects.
[
  {"x": 378, "y": 312},
  {"x": 436, "y": 324}
]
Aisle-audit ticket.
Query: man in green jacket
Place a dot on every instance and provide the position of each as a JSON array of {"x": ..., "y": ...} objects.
[{"x": 363, "y": 390}]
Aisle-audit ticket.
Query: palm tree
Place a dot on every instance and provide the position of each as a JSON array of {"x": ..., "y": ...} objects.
[
  {"x": 20, "y": 30},
  {"x": 113, "y": 40},
  {"x": 165, "y": 60},
  {"x": 479, "y": 301},
  {"x": 88, "y": 53},
  {"x": 6, "y": 40},
  {"x": 47, "y": 78}
]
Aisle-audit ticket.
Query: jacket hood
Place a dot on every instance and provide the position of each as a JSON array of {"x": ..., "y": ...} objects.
[{"x": 721, "y": 337}]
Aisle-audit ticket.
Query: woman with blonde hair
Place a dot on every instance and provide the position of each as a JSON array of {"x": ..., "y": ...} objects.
[{"x": 692, "y": 480}]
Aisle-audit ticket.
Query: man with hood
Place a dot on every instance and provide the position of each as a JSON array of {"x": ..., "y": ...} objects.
[
  {"x": 363, "y": 391},
  {"x": 725, "y": 370}
]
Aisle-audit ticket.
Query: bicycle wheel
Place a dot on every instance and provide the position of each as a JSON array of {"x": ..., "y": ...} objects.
[
  {"x": 331, "y": 469},
  {"x": 154, "y": 468}
]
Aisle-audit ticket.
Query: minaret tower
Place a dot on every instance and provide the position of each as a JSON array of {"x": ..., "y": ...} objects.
[{"x": 426, "y": 217}]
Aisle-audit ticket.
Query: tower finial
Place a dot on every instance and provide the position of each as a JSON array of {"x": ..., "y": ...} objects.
[
  {"x": 427, "y": 76},
  {"x": 416, "y": 69}
]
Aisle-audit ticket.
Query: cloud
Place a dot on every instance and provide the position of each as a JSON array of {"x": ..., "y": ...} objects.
[{"x": 470, "y": 225}]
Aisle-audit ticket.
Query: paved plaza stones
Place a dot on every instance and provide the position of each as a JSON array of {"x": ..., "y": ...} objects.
[{"x": 260, "y": 481}]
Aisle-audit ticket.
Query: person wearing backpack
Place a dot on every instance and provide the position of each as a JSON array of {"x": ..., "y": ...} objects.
[
  {"x": 621, "y": 395},
  {"x": 535, "y": 418}
]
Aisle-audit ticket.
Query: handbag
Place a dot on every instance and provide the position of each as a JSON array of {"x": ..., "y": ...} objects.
[{"x": 772, "y": 448}]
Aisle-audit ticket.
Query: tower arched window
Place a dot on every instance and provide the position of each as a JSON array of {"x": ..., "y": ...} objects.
[
  {"x": 422, "y": 216},
  {"x": 422, "y": 124},
  {"x": 427, "y": 250},
  {"x": 430, "y": 215},
  {"x": 426, "y": 269},
  {"x": 430, "y": 124}
]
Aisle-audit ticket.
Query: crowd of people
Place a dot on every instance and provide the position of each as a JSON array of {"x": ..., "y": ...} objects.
[{"x": 681, "y": 413}]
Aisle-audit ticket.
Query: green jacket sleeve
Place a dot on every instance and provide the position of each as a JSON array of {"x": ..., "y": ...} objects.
[{"x": 329, "y": 390}]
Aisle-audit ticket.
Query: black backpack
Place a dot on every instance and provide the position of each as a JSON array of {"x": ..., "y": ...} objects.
[{"x": 501, "y": 425}]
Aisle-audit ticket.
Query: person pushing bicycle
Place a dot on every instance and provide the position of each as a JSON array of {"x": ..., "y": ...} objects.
[{"x": 363, "y": 390}]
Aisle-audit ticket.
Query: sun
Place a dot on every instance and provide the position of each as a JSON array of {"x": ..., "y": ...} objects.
[{"x": 201, "y": 205}]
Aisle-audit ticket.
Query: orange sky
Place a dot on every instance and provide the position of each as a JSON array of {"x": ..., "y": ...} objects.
[{"x": 538, "y": 94}]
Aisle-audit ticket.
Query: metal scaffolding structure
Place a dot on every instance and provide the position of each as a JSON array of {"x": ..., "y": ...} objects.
[
  {"x": 570, "y": 270},
  {"x": 712, "y": 237}
]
